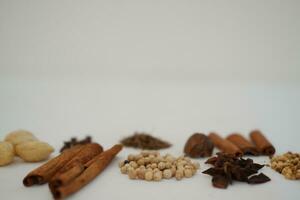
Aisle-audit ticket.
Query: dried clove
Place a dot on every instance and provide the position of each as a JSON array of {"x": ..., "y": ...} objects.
[{"x": 73, "y": 141}]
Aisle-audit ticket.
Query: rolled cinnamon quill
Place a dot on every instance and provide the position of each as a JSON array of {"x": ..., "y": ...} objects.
[
  {"x": 93, "y": 168},
  {"x": 67, "y": 176},
  {"x": 262, "y": 143},
  {"x": 88, "y": 152},
  {"x": 45, "y": 172},
  {"x": 243, "y": 144},
  {"x": 225, "y": 145}
]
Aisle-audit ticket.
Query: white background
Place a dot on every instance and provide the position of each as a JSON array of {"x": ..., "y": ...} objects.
[{"x": 171, "y": 68}]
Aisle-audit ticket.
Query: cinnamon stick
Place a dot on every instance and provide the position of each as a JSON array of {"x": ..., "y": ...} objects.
[
  {"x": 94, "y": 168},
  {"x": 88, "y": 152},
  {"x": 262, "y": 143},
  {"x": 45, "y": 172},
  {"x": 243, "y": 144},
  {"x": 225, "y": 145},
  {"x": 66, "y": 177}
]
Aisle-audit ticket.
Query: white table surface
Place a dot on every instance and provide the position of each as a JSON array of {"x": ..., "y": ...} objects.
[{"x": 56, "y": 111}]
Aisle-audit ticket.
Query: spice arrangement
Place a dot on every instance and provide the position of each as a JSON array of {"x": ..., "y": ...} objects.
[
  {"x": 72, "y": 169},
  {"x": 145, "y": 141},
  {"x": 80, "y": 161},
  {"x": 227, "y": 167},
  {"x": 151, "y": 166},
  {"x": 287, "y": 164},
  {"x": 25, "y": 145}
]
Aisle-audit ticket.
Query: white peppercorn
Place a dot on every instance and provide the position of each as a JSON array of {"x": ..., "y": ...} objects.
[
  {"x": 161, "y": 165},
  {"x": 153, "y": 165},
  {"x": 121, "y": 163},
  {"x": 123, "y": 170},
  {"x": 141, "y": 161},
  {"x": 167, "y": 174},
  {"x": 179, "y": 174},
  {"x": 132, "y": 173},
  {"x": 168, "y": 165},
  {"x": 188, "y": 173},
  {"x": 148, "y": 175},
  {"x": 131, "y": 157},
  {"x": 133, "y": 164},
  {"x": 157, "y": 175},
  {"x": 140, "y": 173}
]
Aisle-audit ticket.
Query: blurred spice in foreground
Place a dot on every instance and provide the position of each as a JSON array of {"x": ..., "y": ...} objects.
[
  {"x": 227, "y": 168},
  {"x": 145, "y": 141}
]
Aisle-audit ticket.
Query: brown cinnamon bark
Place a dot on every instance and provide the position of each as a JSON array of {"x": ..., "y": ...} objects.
[
  {"x": 84, "y": 155},
  {"x": 94, "y": 168},
  {"x": 243, "y": 144},
  {"x": 45, "y": 172},
  {"x": 75, "y": 166},
  {"x": 66, "y": 177},
  {"x": 262, "y": 143},
  {"x": 225, "y": 145}
]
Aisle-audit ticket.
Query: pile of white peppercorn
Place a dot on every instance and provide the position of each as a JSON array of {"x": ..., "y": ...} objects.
[{"x": 151, "y": 166}]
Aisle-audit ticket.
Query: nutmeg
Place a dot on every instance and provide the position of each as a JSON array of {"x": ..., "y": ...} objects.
[{"x": 198, "y": 145}]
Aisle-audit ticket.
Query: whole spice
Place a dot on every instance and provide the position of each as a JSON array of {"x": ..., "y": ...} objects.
[
  {"x": 45, "y": 172},
  {"x": 262, "y": 143},
  {"x": 243, "y": 144},
  {"x": 92, "y": 168},
  {"x": 157, "y": 176},
  {"x": 224, "y": 145},
  {"x": 227, "y": 168},
  {"x": 75, "y": 168},
  {"x": 148, "y": 175},
  {"x": 144, "y": 141},
  {"x": 156, "y": 167},
  {"x": 167, "y": 174},
  {"x": 220, "y": 181},
  {"x": 70, "y": 158},
  {"x": 73, "y": 141},
  {"x": 198, "y": 145},
  {"x": 287, "y": 164},
  {"x": 6, "y": 153},
  {"x": 260, "y": 178},
  {"x": 19, "y": 136},
  {"x": 27, "y": 147},
  {"x": 33, "y": 151},
  {"x": 88, "y": 152}
]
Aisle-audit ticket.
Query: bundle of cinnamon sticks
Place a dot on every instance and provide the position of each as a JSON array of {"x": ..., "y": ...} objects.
[
  {"x": 236, "y": 144},
  {"x": 72, "y": 169}
]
